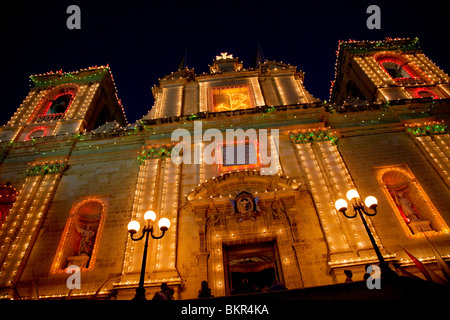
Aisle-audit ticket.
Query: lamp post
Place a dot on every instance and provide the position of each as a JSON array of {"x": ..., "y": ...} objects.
[
  {"x": 133, "y": 228},
  {"x": 361, "y": 209}
]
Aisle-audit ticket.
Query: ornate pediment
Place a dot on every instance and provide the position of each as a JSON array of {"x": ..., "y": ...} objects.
[{"x": 230, "y": 184}]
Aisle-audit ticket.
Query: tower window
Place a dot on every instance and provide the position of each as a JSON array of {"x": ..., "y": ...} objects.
[
  {"x": 395, "y": 70},
  {"x": 60, "y": 104},
  {"x": 56, "y": 104},
  {"x": 398, "y": 68}
]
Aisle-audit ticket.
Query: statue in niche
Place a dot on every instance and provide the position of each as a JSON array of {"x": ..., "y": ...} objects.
[
  {"x": 407, "y": 207},
  {"x": 87, "y": 240},
  {"x": 409, "y": 202},
  {"x": 410, "y": 213}
]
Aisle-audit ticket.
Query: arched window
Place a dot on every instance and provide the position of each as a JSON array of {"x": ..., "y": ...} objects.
[
  {"x": 80, "y": 237},
  {"x": 395, "y": 70},
  {"x": 60, "y": 104},
  {"x": 56, "y": 104},
  {"x": 397, "y": 67}
]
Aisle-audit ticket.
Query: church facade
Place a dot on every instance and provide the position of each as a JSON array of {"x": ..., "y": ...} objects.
[{"x": 245, "y": 163}]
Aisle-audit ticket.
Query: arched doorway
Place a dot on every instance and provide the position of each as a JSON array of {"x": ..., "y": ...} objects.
[
  {"x": 256, "y": 263},
  {"x": 250, "y": 240}
]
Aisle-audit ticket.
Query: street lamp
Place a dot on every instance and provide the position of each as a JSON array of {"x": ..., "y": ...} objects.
[
  {"x": 133, "y": 228},
  {"x": 359, "y": 208}
]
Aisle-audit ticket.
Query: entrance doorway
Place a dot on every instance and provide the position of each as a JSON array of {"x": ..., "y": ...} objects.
[{"x": 251, "y": 267}]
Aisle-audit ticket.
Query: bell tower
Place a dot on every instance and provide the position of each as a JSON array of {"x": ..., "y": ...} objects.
[
  {"x": 389, "y": 70},
  {"x": 65, "y": 103}
]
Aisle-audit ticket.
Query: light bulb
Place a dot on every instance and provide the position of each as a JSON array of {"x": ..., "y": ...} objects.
[
  {"x": 133, "y": 227},
  {"x": 371, "y": 202},
  {"x": 351, "y": 194},
  {"x": 150, "y": 215},
  {"x": 341, "y": 205},
  {"x": 164, "y": 224}
]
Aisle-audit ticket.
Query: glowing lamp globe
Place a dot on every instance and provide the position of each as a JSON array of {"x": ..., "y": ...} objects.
[
  {"x": 164, "y": 224},
  {"x": 341, "y": 205},
  {"x": 371, "y": 202},
  {"x": 133, "y": 227},
  {"x": 351, "y": 194},
  {"x": 150, "y": 215}
]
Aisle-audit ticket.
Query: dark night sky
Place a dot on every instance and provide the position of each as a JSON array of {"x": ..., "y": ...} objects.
[{"x": 143, "y": 41}]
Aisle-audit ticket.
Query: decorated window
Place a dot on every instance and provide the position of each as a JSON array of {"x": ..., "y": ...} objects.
[
  {"x": 240, "y": 155},
  {"x": 410, "y": 202},
  {"x": 56, "y": 104},
  {"x": 60, "y": 104},
  {"x": 78, "y": 245},
  {"x": 231, "y": 98},
  {"x": 397, "y": 67}
]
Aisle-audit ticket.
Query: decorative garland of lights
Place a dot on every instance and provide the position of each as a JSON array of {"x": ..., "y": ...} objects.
[
  {"x": 46, "y": 168},
  {"x": 427, "y": 128},
  {"x": 417, "y": 91},
  {"x": 6, "y": 197},
  {"x": 313, "y": 135},
  {"x": 403, "y": 44},
  {"x": 154, "y": 152},
  {"x": 43, "y": 80},
  {"x": 67, "y": 77},
  {"x": 41, "y": 128},
  {"x": 56, "y": 265},
  {"x": 365, "y": 47}
]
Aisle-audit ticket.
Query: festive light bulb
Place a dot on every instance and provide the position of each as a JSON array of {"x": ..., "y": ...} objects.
[
  {"x": 133, "y": 227},
  {"x": 351, "y": 194},
  {"x": 341, "y": 205},
  {"x": 164, "y": 224},
  {"x": 150, "y": 215},
  {"x": 371, "y": 202}
]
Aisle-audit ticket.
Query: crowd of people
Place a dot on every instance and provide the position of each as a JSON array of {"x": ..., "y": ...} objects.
[{"x": 245, "y": 287}]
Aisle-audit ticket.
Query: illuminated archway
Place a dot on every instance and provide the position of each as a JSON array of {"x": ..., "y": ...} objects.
[
  {"x": 396, "y": 66},
  {"x": 79, "y": 242},
  {"x": 56, "y": 103},
  {"x": 411, "y": 204}
]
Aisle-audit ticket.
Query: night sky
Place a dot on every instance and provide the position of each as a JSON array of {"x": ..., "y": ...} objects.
[{"x": 144, "y": 41}]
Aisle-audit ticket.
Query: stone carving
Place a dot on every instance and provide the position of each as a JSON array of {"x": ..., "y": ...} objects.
[
  {"x": 245, "y": 207},
  {"x": 278, "y": 209}
]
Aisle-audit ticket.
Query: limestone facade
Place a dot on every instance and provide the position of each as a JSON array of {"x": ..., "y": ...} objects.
[{"x": 73, "y": 180}]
